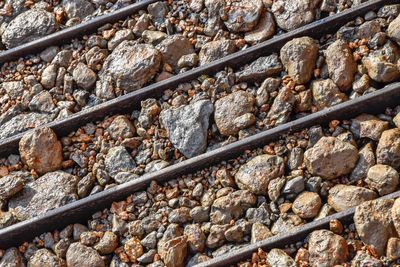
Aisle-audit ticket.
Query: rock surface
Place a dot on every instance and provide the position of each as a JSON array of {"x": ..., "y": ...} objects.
[
  {"x": 10, "y": 185},
  {"x": 341, "y": 64},
  {"x": 44, "y": 257},
  {"x": 326, "y": 94},
  {"x": 41, "y": 150},
  {"x": 243, "y": 15},
  {"x": 382, "y": 178},
  {"x": 374, "y": 223},
  {"x": 118, "y": 160},
  {"x": 79, "y": 255},
  {"x": 256, "y": 174},
  {"x": 50, "y": 191},
  {"x": 331, "y": 158},
  {"x": 264, "y": 30},
  {"x": 28, "y": 26},
  {"x": 187, "y": 126},
  {"x": 307, "y": 205},
  {"x": 260, "y": 69},
  {"x": 229, "y": 109},
  {"x": 215, "y": 50},
  {"x": 342, "y": 197},
  {"x": 327, "y": 249},
  {"x": 22, "y": 122},
  {"x": 277, "y": 257},
  {"x": 173, "y": 47},
  {"x": 388, "y": 149},
  {"x": 299, "y": 57}
]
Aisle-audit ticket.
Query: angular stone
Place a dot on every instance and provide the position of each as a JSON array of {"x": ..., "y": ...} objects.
[
  {"x": 243, "y": 15},
  {"x": 174, "y": 252},
  {"x": 369, "y": 126},
  {"x": 286, "y": 225},
  {"x": 256, "y": 174},
  {"x": 79, "y": 255},
  {"x": 173, "y": 47},
  {"x": 343, "y": 197},
  {"x": 362, "y": 258},
  {"x": 393, "y": 30},
  {"x": 118, "y": 160},
  {"x": 107, "y": 244},
  {"x": 290, "y": 15},
  {"x": 215, "y": 50},
  {"x": 12, "y": 258},
  {"x": 41, "y": 150},
  {"x": 388, "y": 149},
  {"x": 49, "y": 76},
  {"x": 366, "y": 159},
  {"x": 187, "y": 126},
  {"x": 84, "y": 77},
  {"x": 281, "y": 107},
  {"x": 42, "y": 102},
  {"x": 196, "y": 238},
  {"x": 119, "y": 37},
  {"x": 374, "y": 223},
  {"x": 50, "y": 191},
  {"x": 395, "y": 213},
  {"x": 44, "y": 257},
  {"x": 259, "y": 232},
  {"x": 393, "y": 248},
  {"x": 326, "y": 94},
  {"x": 327, "y": 249},
  {"x": 231, "y": 107},
  {"x": 22, "y": 122},
  {"x": 264, "y": 30},
  {"x": 383, "y": 179},
  {"x": 341, "y": 64},
  {"x": 78, "y": 8},
  {"x": 128, "y": 68},
  {"x": 28, "y": 26},
  {"x": 277, "y": 257},
  {"x": 260, "y": 69},
  {"x": 10, "y": 185},
  {"x": 231, "y": 206},
  {"x": 121, "y": 127},
  {"x": 331, "y": 158},
  {"x": 299, "y": 57}
]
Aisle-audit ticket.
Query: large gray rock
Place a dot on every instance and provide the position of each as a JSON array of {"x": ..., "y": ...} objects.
[
  {"x": 299, "y": 57},
  {"x": 243, "y": 15},
  {"x": 28, "y": 26},
  {"x": 256, "y": 174},
  {"x": 79, "y": 255},
  {"x": 374, "y": 223},
  {"x": 23, "y": 122},
  {"x": 290, "y": 15},
  {"x": 230, "y": 108},
  {"x": 341, "y": 64},
  {"x": 187, "y": 126},
  {"x": 260, "y": 69},
  {"x": 128, "y": 68},
  {"x": 41, "y": 150},
  {"x": 78, "y": 8},
  {"x": 331, "y": 158},
  {"x": 118, "y": 160},
  {"x": 48, "y": 192}
]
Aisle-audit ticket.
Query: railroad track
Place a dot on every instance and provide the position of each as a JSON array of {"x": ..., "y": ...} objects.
[{"x": 81, "y": 210}]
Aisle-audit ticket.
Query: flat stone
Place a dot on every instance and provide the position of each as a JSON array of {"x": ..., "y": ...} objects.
[
  {"x": 230, "y": 108},
  {"x": 248, "y": 11},
  {"x": 331, "y": 158},
  {"x": 382, "y": 178},
  {"x": 28, "y": 26},
  {"x": 326, "y": 94},
  {"x": 264, "y": 30},
  {"x": 374, "y": 223},
  {"x": 290, "y": 15},
  {"x": 50, "y": 191},
  {"x": 79, "y": 255},
  {"x": 41, "y": 150},
  {"x": 327, "y": 248},
  {"x": 341, "y": 64},
  {"x": 256, "y": 174},
  {"x": 10, "y": 185},
  {"x": 215, "y": 50},
  {"x": 260, "y": 69},
  {"x": 343, "y": 197},
  {"x": 369, "y": 126},
  {"x": 128, "y": 67},
  {"x": 388, "y": 149},
  {"x": 187, "y": 126},
  {"x": 299, "y": 57}
]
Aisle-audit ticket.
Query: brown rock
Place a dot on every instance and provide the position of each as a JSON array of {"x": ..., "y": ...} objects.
[
  {"x": 256, "y": 174},
  {"x": 173, "y": 47},
  {"x": 299, "y": 57},
  {"x": 79, "y": 255},
  {"x": 331, "y": 158},
  {"x": 393, "y": 248},
  {"x": 133, "y": 249},
  {"x": 84, "y": 77},
  {"x": 175, "y": 252},
  {"x": 342, "y": 197},
  {"x": 230, "y": 108},
  {"x": 307, "y": 205},
  {"x": 374, "y": 223},
  {"x": 388, "y": 149},
  {"x": 369, "y": 126},
  {"x": 45, "y": 258},
  {"x": 278, "y": 257},
  {"x": 327, "y": 249},
  {"x": 41, "y": 150},
  {"x": 121, "y": 127},
  {"x": 393, "y": 30},
  {"x": 341, "y": 64},
  {"x": 259, "y": 232},
  {"x": 326, "y": 94},
  {"x": 107, "y": 244},
  {"x": 396, "y": 215},
  {"x": 383, "y": 179},
  {"x": 195, "y": 238}
]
